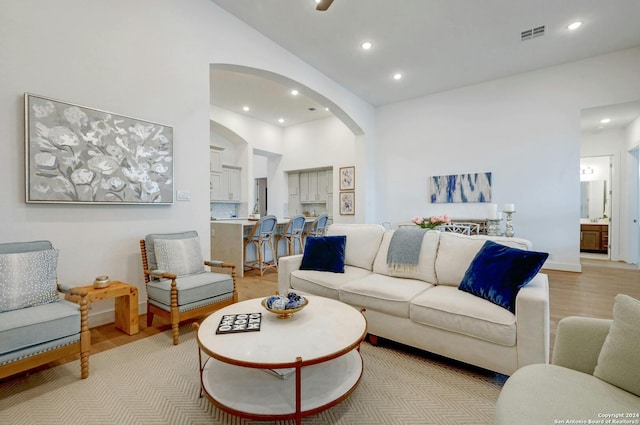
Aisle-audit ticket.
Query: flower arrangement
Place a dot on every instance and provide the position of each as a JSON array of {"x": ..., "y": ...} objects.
[{"x": 431, "y": 222}]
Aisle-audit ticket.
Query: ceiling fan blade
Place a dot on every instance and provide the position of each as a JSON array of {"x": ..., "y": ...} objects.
[{"x": 323, "y": 5}]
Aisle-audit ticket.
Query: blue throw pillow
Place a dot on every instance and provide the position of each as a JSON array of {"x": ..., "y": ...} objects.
[
  {"x": 324, "y": 253},
  {"x": 497, "y": 273}
]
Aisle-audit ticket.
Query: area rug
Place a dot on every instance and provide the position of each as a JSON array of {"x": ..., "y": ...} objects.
[{"x": 153, "y": 382}]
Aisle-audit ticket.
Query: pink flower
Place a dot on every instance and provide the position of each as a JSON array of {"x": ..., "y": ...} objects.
[{"x": 431, "y": 222}]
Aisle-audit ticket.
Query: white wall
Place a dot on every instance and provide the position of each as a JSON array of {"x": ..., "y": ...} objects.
[
  {"x": 315, "y": 144},
  {"x": 524, "y": 129},
  {"x": 318, "y": 144},
  {"x": 633, "y": 134},
  {"x": 147, "y": 59}
]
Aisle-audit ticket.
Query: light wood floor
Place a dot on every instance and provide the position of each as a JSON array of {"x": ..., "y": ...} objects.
[{"x": 589, "y": 293}]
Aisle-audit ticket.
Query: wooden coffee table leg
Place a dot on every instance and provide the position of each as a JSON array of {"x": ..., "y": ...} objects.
[{"x": 126, "y": 313}]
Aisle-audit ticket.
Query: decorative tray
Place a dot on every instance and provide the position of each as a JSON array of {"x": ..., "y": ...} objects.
[{"x": 236, "y": 323}]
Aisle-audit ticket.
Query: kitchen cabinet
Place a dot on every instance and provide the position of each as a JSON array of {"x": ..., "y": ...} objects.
[
  {"x": 313, "y": 187},
  {"x": 215, "y": 172},
  {"x": 225, "y": 186},
  {"x": 594, "y": 237},
  {"x": 215, "y": 159},
  {"x": 294, "y": 184},
  {"x": 215, "y": 186}
]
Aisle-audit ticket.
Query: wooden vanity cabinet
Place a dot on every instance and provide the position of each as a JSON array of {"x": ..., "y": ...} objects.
[{"x": 594, "y": 237}]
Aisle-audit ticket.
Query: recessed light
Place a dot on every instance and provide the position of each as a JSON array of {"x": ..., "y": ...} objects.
[
  {"x": 280, "y": 120},
  {"x": 575, "y": 25},
  {"x": 366, "y": 45},
  {"x": 605, "y": 120},
  {"x": 246, "y": 108},
  {"x": 397, "y": 76},
  {"x": 294, "y": 92},
  {"x": 326, "y": 108}
]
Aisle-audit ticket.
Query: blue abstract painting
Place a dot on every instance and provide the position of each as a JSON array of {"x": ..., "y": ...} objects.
[{"x": 461, "y": 188}]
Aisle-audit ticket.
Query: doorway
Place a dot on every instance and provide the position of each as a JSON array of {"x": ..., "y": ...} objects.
[
  {"x": 596, "y": 207},
  {"x": 634, "y": 206},
  {"x": 261, "y": 196}
]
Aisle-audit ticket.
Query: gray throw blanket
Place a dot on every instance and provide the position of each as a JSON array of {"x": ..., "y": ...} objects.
[{"x": 404, "y": 248}]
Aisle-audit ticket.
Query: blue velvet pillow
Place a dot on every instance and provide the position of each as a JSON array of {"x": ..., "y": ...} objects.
[
  {"x": 324, "y": 253},
  {"x": 497, "y": 273}
]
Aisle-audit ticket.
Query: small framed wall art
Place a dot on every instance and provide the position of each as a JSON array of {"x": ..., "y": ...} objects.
[
  {"x": 347, "y": 203},
  {"x": 80, "y": 155},
  {"x": 348, "y": 178}
]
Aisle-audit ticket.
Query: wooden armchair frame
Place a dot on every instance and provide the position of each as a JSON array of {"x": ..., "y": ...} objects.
[
  {"x": 174, "y": 316},
  {"x": 82, "y": 347}
]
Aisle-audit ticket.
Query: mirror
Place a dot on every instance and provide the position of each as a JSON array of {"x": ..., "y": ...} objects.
[{"x": 594, "y": 200}]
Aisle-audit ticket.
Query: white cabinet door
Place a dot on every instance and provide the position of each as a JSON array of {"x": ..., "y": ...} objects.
[
  {"x": 294, "y": 205},
  {"x": 313, "y": 186},
  {"x": 234, "y": 184},
  {"x": 294, "y": 184},
  {"x": 322, "y": 186},
  {"x": 225, "y": 195},
  {"x": 329, "y": 176},
  {"x": 226, "y": 185},
  {"x": 304, "y": 187},
  {"x": 215, "y": 185},
  {"x": 215, "y": 160}
]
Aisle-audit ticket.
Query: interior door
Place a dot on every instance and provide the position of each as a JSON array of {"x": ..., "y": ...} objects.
[{"x": 262, "y": 195}]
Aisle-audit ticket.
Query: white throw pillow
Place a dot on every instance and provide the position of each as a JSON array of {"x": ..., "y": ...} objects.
[
  {"x": 28, "y": 279},
  {"x": 619, "y": 360},
  {"x": 179, "y": 256}
]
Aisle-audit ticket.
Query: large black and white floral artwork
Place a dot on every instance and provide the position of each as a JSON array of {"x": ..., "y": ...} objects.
[{"x": 76, "y": 154}]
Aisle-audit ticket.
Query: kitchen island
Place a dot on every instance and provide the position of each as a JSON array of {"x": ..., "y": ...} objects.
[{"x": 227, "y": 240}]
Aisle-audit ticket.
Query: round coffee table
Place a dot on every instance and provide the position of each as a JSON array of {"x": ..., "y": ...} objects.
[{"x": 289, "y": 369}]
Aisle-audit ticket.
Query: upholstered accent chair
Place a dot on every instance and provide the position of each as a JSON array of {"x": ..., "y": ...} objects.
[
  {"x": 36, "y": 325},
  {"x": 179, "y": 287},
  {"x": 594, "y": 376}
]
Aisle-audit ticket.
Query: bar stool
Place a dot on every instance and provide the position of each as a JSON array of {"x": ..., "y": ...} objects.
[
  {"x": 262, "y": 234},
  {"x": 318, "y": 227},
  {"x": 291, "y": 234}
]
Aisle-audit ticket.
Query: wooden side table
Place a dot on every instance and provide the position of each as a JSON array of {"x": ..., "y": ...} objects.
[{"x": 126, "y": 303}]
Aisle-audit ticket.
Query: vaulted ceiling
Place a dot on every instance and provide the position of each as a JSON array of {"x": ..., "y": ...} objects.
[{"x": 436, "y": 45}]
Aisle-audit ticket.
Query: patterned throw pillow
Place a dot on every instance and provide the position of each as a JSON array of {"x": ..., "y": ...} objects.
[
  {"x": 28, "y": 279},
  {"x": 179, "y": 256}
]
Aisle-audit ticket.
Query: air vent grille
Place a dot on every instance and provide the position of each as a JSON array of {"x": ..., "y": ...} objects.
[{"x": 532, "y": 33}]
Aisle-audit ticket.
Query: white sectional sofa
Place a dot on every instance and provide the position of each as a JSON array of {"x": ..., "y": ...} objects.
[{"x": 423, "y": 307}]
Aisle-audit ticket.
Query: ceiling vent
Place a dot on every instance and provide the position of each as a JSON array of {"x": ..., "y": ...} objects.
[{"x": 532, "y": 33}]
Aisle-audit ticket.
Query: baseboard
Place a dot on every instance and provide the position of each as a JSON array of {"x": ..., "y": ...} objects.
[{"x": 565, "y": 267}]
